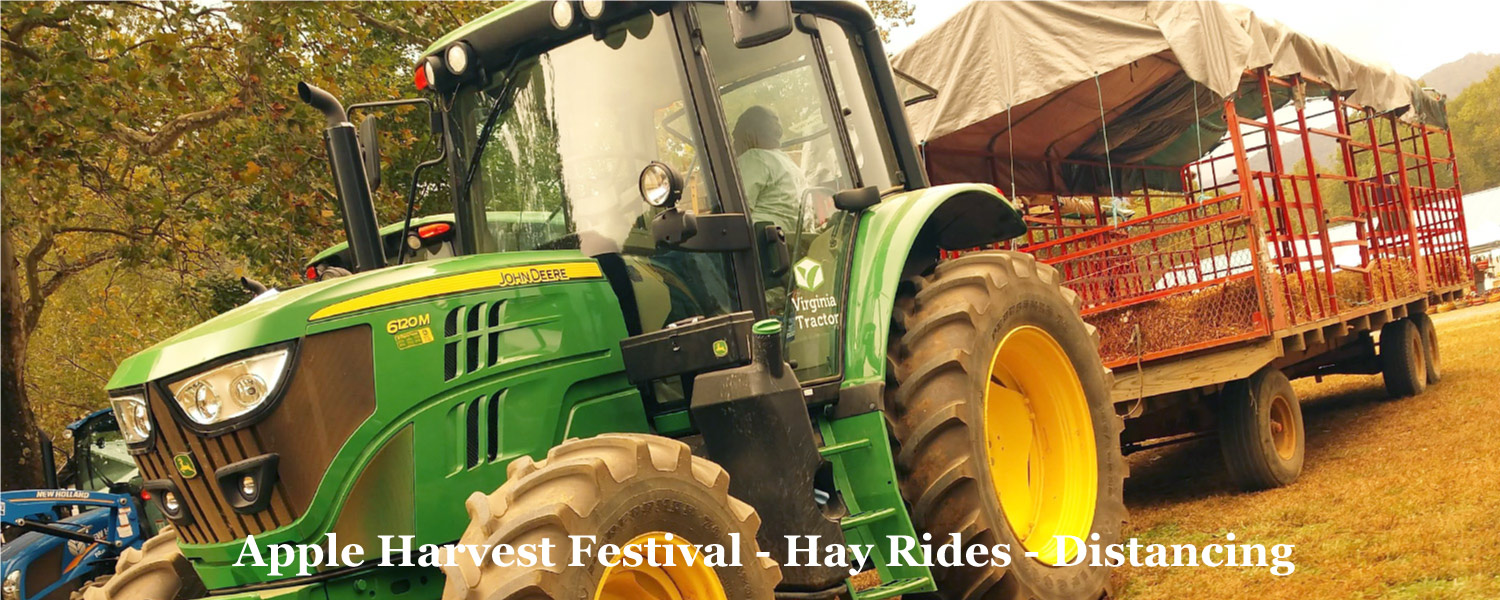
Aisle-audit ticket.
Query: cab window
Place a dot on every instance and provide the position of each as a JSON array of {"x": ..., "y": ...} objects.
[
  {"x": 791, "y": 157},
  {"x": 562, "y": 164},
  {"x": 874, "y": 155}
]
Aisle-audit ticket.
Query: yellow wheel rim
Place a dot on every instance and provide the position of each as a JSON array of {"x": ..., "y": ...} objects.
[
  {"x": 1040, "y": 443},
  {"x": 1283, "y": 430},
  {"x": 674, "y": 580}
]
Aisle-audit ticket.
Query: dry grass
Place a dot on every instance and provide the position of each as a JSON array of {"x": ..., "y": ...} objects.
[{"x": 1398, "y": 499}]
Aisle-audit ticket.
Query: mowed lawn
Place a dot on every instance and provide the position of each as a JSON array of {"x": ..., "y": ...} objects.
[{"x": 1398, "y": 499}]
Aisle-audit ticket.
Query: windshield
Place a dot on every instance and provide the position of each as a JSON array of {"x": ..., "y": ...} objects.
[{"x": 562, "y": 166}]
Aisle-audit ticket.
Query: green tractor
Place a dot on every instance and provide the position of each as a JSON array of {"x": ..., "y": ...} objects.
[{"x": 695, "y": 297}]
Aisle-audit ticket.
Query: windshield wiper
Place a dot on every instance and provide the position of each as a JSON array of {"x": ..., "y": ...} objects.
[{"x": 501, "y": 102}]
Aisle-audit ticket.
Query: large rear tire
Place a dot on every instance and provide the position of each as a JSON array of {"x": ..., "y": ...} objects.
[
  {"x": 1402, "y": 361},
  {"x": 624, "y": 489},
  {"x": 1261, "y": 434},
  {"x": 155, "y": 571},
  {"x": 997, "y": 392}
]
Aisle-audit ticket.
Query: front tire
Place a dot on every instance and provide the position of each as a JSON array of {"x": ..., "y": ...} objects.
[
  {"x": 998, "y": 393},
  {"x": 155, "y": 571},
  {"x": 624, "y": 489}
]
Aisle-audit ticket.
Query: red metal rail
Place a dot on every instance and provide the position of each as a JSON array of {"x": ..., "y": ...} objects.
[{"x": 1266, "y": 235}]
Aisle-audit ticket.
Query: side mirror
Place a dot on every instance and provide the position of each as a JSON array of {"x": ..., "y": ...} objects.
[
  {"x": 857, "y": 200},
  {"x": 369, "y": 144},
  {"x": 757, "y": 22}
]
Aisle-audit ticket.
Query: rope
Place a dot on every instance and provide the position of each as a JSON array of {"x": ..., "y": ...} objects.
[
  {"x": 1010, "y": 138},
  {"x": 1104, "y": 127},
  {"x": 1198, "y": 137},
  {"x": 1197, "y": 121},
  {"x": 1140, "y": 355}
]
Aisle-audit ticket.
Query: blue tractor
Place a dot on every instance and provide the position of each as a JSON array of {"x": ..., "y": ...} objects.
[{"x": 58, "y": 539}]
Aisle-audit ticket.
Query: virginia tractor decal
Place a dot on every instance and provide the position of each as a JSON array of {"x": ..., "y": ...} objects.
[{"x": 813, "y": 309}]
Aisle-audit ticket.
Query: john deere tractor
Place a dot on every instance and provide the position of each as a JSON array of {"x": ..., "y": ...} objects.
[{"x": 694, "y": 296}]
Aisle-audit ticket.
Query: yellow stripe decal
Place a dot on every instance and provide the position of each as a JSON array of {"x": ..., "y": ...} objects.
[{"x": 467, "y": 282}]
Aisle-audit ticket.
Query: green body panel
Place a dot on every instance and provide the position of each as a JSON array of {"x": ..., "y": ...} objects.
[
  {"x": 284, "y": 316},
  {"x": 887, "y": 233}
]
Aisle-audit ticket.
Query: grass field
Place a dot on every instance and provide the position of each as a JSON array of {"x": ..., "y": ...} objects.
[{"x": 1398, "y": 499}]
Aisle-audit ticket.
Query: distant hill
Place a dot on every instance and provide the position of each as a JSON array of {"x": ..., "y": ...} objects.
[{"x": 1452, "y": 78}]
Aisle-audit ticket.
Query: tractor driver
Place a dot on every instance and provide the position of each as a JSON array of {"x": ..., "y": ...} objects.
[{"x": 772, "y": 182}]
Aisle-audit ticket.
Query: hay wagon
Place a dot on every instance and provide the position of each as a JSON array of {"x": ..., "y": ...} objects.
[{"x": 1236, "y": 204}]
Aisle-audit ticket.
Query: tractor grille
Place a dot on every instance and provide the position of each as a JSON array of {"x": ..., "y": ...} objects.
[
  {"x": 330, "y": 394},
  {"x": 473, "y": 338},
  {"x": 482, "y": 429},
  {"x": 213, "y": 520}
]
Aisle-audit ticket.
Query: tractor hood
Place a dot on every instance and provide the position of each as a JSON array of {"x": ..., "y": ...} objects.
[{"x": 284, "y": 315}]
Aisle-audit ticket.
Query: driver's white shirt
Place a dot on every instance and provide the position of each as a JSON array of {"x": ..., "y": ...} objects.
[{"x": 772, "y": 183}]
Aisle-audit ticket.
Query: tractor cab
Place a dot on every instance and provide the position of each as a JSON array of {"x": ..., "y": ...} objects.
[{"x": 700, "y": 152}]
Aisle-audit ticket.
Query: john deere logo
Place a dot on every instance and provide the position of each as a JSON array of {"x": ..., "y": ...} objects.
[
  {"x": 809, "y": 274},
  {"x": 721, "y": 348},
  {"x": 186, "y": 466}
]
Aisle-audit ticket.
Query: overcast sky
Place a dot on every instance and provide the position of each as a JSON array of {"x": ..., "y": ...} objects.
[{"x": 1369, "y": 29}]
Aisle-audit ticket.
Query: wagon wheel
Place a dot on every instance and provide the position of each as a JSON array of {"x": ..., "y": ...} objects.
[{"x": 1261, "y": 434}]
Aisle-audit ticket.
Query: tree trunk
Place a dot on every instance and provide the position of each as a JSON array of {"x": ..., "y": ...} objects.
[{"x": 19, "y": 438}]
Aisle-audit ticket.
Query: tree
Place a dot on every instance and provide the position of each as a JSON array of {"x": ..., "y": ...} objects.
[
  {"x": 155, "y": 151},
  {"x": 1474, "y": 117},
  {"x": 890, "y": 14},
  {"x": 152, "y": 152}
]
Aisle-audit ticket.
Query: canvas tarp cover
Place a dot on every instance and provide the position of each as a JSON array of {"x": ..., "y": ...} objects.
[{"x": 1156, "y": 70}]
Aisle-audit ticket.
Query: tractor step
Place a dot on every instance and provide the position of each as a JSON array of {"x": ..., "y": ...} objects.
[
  {"x": 865, "y": 518},
  {"x": 827, "y": 451},
  {"x": 895, "y": 588}
]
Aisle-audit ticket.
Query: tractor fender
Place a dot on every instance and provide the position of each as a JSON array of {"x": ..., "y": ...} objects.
[{"x": 905, "y": 232}]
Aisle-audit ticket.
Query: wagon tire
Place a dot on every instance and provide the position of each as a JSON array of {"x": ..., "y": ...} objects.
[
  {"x": 1433, "y": 359},
  {"x": 622, "y": 489},
  {"x": 1261, "y": 432},
  {"x": 951, "y": 361},
  {"x": 1402, "y": 360}
]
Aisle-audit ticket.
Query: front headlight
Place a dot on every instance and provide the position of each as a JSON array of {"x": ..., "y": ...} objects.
[
  {"x": 134, "y": 420},
  {"x": 12, "y": 587},
  {"x": 232, "y": 389}
]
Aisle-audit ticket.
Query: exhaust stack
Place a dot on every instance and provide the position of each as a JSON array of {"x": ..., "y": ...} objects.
[{"x": 348, "y": 168}]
